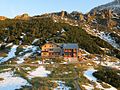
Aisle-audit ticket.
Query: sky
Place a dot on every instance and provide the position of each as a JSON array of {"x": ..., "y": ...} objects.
[{"x": 11, "y": 8}]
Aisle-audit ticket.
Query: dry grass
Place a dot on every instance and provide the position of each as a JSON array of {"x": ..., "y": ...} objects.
[{"x": 3, "y": 54}]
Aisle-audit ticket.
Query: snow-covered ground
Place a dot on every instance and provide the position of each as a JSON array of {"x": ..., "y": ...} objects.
[
  {"x": 61, "y": 86},
  {"x": 115, "y": 65},
  {"x": 11, "y": 82},
  {"x": 10, "y": 55},
  {"x": 22, "y": 58},
  {"x": 109, "y": 39},
  {"x": 107, "y": 62},
  {"x": 28, "y": 50},
  {"x": 105, "y": 36},
  {"x": 1, "y": 58},
  {"x": 39, "y": 72},
  {"x": 89, "y": 75}
]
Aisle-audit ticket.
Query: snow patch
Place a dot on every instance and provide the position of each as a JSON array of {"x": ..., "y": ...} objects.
[
  {"x": 11, "y": 82},
  {"x": 28, "y": 50},
  {"x": 11, "y": 54},
  {"x": 22, "y": 37},
  {"x": 61, "y": 86},
  {"x": 22, "y": 58},
  {"x": 39, "y": 72}
]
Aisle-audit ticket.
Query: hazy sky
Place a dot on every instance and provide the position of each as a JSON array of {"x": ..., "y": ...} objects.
[{"x": 11, "y": 8}]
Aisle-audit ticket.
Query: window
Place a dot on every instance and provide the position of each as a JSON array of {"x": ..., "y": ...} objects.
[
  {"x": 66, "y": 53},
  {"x": 51, "y": 45},
  {"x": 51, "y": 49}
]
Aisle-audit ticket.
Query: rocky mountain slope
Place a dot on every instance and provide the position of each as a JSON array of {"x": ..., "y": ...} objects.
[
  {"x": 106, "y": 19},
  {"x": 114, "y": 6},
  {"x": 93, "y": 31}
]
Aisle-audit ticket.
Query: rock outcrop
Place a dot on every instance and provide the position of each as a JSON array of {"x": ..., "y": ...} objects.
[
  {"x": 23, "y": 17},
  {"x": 3, "y": 18}
]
